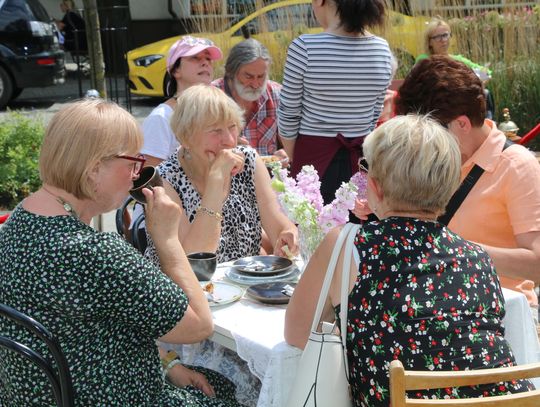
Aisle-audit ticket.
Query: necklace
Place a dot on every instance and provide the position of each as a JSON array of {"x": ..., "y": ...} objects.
[{"x": 66, "y": 205}]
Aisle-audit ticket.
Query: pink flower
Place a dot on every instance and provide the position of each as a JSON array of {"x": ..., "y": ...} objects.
[
  {"x": 360, "y": 180},
  {"x": 301, "y": 200}
]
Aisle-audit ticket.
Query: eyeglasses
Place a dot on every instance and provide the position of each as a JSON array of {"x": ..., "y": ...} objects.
[
  {"x": 139, "y": 162},
  {"x": 441, "y": 37},
  {"x": 192, "y": 41},
  {"x": 363, "y": 165}
]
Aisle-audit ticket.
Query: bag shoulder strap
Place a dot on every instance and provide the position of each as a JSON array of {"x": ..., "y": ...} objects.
[
  {"x": 461, "y": 193},
  {"x": 343, "y": 305},
  {"x": 329, "y": 274}
]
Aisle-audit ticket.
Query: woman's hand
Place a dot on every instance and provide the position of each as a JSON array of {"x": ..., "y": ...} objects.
[
  {"x": 223, "y": 166},
  {"x": 181, "y": 376},
  {"x": 361, "y": 209},
  {"x": 287, "y": 238},
  {"x": 162, "y": 214},
  {"x": 283, "y": 157}
]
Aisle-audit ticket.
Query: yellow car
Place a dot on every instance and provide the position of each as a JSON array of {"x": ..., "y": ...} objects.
[{"x": 275, "y": 25}]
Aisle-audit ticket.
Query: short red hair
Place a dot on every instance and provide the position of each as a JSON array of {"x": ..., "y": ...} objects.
[{"x": 445, "y": 89}]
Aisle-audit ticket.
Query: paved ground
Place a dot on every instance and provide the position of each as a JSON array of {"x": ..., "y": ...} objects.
[{"x": 47, "y": 101}]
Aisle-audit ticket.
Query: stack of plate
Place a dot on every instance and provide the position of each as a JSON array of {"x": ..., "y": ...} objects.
[{"x": 262, "y": 269}]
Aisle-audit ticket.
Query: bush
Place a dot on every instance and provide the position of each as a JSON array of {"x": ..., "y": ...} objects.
[
  {"x": 20, "y": 140},
  {"x": 517, "y": 87},
  {"x": 508, "y": 41}
]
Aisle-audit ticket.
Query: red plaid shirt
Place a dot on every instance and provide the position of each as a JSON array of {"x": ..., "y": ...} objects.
[{"x": 261, "y": 129}]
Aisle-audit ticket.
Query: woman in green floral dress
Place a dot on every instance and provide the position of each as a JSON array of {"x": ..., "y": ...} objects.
[{"x": 106, "y": 304}]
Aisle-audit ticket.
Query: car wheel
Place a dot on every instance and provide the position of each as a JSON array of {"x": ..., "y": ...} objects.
[{"x": 6, "y": 88}]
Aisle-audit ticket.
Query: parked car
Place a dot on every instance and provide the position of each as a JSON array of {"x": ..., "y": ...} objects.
[
  {"x": 275, "y": 25},
  {"x": 30, "y": 55}
]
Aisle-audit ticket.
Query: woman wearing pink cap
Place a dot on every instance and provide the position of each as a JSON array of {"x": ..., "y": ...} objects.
[{"x": 190, "y": 62}]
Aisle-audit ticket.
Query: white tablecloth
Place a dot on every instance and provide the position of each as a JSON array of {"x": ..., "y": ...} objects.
[{"x": 255, "y": 331}]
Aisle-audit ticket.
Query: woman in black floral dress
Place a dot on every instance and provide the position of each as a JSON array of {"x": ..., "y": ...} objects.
[
  {"x": 105, "y": 303},
  {"x": 418, "y": 293}
]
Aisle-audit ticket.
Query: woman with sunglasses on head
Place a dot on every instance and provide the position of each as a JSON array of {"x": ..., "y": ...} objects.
[
  {"x": 104, "y": 302},
  {"x": 189, "y": 62},
  {"x": 418, "y": 292}
]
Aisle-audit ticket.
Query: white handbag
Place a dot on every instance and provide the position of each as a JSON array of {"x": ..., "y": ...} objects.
[{"x": 322, "y": 378}]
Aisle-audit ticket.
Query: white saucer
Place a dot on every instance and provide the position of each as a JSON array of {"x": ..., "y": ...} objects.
[{"x": 224, "y": 293}]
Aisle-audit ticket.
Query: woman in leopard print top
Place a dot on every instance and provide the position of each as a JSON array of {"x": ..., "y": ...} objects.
[{"x": 224, "y": 190}]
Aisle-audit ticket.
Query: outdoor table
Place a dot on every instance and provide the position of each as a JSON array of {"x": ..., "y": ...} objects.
[{"x": 255, "y": 332}]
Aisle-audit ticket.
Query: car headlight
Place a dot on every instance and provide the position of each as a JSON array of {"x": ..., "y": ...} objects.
[{"x": 147, "y": 60}]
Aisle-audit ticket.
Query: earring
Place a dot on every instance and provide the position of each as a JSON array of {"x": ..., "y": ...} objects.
[{"x": 186, "y": 155}]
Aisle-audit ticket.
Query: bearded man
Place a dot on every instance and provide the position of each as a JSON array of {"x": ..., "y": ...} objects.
[{"x": 246, "y": 81}]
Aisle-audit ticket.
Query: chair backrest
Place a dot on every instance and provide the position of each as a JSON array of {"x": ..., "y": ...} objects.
[
  {"x": 136, "y": 235},
  {"x": 402, "y": 380},
  {"x": 58, "y": 375}
]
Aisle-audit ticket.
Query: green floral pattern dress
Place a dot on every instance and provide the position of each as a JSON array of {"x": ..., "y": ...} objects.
[
  {"x": 105, "y": 303},
  {"x": 429, "y": 298}
]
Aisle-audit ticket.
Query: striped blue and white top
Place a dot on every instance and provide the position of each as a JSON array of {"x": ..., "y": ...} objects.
[{"x": 333, "y": 84}]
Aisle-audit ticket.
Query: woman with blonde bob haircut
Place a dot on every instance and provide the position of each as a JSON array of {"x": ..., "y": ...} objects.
[
  {"x": 225, "y": 194},
  {"x": 437, "y": 39},
  {"x": 425, "y": 186},
  {"x": 417, "y": 291},
  {"x": 213, "y": 106},
  {"x": 105, "y": 303},
  {"x": 223, "y": 189},
  {"x": 80, "y": 138},
  {"x": 437, "y": 32}
]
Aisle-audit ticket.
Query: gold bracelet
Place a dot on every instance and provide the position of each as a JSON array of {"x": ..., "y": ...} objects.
[
  {"x": 171, "y": 355},
  {"x": 210, "y": 212}
]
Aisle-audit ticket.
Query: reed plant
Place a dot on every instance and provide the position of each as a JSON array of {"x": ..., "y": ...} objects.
[
  {"x": 505, "y": 39},
  {"x": 507, "y": 42}
]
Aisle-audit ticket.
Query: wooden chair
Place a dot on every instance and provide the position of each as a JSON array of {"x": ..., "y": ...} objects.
[
  {"x": 402, "y": 380},
  {"x": 57, "y": 372}
]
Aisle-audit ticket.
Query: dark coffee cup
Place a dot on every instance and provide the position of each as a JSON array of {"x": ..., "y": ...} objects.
[
  {"x": 203, "y": 264},
  {"x": 148, "y": 178}
]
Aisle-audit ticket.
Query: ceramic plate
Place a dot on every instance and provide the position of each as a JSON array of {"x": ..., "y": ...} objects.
[
  {"x": 262, "y": 265},
  {"x": 234, "y": 275},
  {"x": 271, "y": 293},
  {"x": 222, "y": 293}
]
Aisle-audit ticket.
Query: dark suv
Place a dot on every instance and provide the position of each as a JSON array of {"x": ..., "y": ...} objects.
[{"x": 30, "y": 55}]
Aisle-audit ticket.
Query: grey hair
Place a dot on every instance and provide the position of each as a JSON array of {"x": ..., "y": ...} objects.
[{"x": 243, "y": 53}]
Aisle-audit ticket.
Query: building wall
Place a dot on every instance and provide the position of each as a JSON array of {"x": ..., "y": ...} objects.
[{"x": 139, "y": 9}]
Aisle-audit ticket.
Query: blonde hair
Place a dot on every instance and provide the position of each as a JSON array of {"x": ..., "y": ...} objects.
[
  {"x": 435, "y": 23},
  {"x": 81, "y": 135},
  {"x": 416, "y": 162},
  {"x": 201, "y": 106},
  {"x": 70, "y": 4}
]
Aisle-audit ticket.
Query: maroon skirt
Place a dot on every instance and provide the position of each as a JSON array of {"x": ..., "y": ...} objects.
[{"x": 322, "y": 153}]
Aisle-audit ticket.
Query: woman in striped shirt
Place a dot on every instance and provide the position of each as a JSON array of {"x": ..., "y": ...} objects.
[{"x": 333, "y": 90}]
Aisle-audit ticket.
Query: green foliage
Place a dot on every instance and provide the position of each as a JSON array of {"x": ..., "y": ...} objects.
[
  {"x": 506, "y": 41},
  {"x": 20, "y": 140},
  {"x": 517, "y": 86}
]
